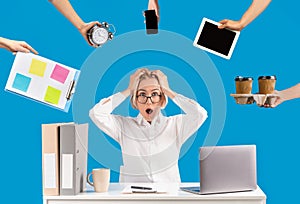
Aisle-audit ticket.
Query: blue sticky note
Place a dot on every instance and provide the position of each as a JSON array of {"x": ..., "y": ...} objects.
[{"x": 21, "y": 82}]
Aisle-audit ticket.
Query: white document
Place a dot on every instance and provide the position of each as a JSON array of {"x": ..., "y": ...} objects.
[
  {"x": 67, "y": 171},
  {"x": 49, "y": 171},
  {"x": 41, "y": 79}
]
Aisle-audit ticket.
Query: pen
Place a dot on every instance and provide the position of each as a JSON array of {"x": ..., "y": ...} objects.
[
  {"x": 144, "y": 191},
  {"x": 141, "y": 187}
]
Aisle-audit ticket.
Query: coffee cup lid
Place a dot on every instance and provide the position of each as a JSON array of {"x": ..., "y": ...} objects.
[
  {"x": 267, "y": 77},
  {"x": 240, "y": 78}
]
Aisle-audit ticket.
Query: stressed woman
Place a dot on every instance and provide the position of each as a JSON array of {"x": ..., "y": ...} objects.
[{"x": 150, "y": 142}]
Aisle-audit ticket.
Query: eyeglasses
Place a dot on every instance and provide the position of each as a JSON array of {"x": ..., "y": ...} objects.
[{"x": 154, "y": 98}]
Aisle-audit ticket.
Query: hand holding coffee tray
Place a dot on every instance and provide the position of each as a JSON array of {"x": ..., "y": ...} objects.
[
  {"x": 260, "y": 99},
  {"x": 265, "y": 97}
]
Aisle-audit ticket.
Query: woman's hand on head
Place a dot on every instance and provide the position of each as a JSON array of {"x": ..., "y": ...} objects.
[
  {"x": 134, "y": 78},
  {"x": 163, "y": 81}
]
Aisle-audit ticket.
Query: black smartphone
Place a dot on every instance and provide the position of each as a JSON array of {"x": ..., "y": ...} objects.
[{"x": 151, "y": 22}]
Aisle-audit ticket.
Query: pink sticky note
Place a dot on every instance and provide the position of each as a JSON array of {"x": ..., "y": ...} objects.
[{"x": 60, "y": 73}]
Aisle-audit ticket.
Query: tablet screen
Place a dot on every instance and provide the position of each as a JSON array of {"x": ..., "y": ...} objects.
[{"x": 218, "y": 40}]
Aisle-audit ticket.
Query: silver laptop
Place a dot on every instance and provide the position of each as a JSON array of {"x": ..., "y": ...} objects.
[{"x": 225, "y": 169}]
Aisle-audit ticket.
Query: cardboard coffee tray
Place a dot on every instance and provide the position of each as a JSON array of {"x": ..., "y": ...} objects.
[{"x": 260, "y": 99}]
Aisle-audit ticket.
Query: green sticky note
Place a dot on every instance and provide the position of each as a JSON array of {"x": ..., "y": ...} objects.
[
  {"x": 37, "y": 67},
  {"x": 52, "y": 95}
]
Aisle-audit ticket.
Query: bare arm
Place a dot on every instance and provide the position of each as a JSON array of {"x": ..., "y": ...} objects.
[
  {"x": 16, "y": 46},
  {"x": 153, "y": 5},
  {"x": 256, "y": 8},
  {"x": 65, "y": 7},
  {"x": 287, "y": 94}
]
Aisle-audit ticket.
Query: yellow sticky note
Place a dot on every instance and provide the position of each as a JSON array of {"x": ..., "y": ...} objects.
[
  {"x": 52, "y": 95},
  {"x": 37, "y": 67}
]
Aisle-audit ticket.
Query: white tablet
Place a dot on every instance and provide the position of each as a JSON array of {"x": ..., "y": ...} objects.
[{"x": 220, "y": 42}]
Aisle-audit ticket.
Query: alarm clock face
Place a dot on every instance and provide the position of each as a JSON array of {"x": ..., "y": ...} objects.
[{"x": 99, "y": 36}]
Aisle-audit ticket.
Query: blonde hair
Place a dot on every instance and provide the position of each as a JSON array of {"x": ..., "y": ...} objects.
[{"x": 147, "y": 75}]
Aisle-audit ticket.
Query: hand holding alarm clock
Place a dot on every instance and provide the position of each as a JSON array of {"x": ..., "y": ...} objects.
[{"x": 100, "y": 34}]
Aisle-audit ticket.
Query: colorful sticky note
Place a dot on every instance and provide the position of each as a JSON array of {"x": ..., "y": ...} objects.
[
  {"x": 60, "y": 73},
  {"x": 21, "y": 82},
  {"x": 37, "y": 67},
  {"x": 52, "y": 95}
]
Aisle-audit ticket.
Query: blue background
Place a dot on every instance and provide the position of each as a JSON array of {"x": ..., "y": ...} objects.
[{"x": 269, "y": 45}]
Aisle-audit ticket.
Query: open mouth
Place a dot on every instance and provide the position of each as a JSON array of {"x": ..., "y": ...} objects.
[{"x": 149, "y": 111}]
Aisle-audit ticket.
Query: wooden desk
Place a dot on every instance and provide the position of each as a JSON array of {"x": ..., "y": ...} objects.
[{"x": 174, "y": 196}]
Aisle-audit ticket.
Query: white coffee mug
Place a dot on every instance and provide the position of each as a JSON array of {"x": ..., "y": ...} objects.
[{"x": 101, "y": 179}]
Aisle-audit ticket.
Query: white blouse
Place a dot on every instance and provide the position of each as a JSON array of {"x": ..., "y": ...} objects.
[{"x": 150, "y": 151}]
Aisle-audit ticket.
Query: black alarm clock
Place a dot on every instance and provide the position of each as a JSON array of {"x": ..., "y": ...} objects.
[{"x": 99, "y": 34}]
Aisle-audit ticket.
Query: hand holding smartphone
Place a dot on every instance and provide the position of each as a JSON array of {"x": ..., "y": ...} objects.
[{"x": 151, "y": 22}]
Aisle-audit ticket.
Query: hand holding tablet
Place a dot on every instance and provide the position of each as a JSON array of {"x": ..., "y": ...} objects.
[{"x": 220, "y": 42}]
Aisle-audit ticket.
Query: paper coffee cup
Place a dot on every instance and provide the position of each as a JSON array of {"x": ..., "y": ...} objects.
[
  {"x": 243, "y": 85},
  {"x": 266, "y": 84}
]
